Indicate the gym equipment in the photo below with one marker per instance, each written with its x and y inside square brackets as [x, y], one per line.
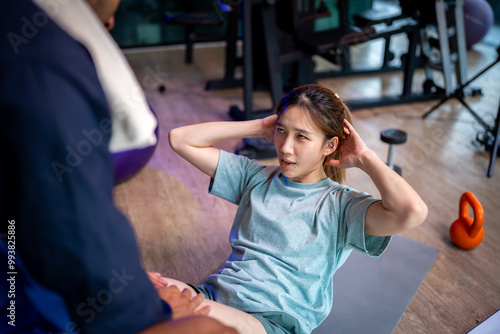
[490, 139]
[128, 163]
[443, 35]
[393, 137]
[491, 136]
[297, 19]
[478, 19]
[191, 19]
[466, 232]
[386, 15]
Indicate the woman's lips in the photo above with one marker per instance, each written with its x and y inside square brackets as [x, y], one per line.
[284, 163]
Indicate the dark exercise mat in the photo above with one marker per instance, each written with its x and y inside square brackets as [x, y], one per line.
[371, 294]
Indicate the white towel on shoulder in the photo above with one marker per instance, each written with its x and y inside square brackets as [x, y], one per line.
[133, 121]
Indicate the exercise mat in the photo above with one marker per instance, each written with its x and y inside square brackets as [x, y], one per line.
[371, 294]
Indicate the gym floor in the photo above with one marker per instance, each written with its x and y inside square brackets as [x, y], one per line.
[183, 231]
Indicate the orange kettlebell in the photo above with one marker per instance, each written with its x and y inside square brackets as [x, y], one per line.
[466, 232]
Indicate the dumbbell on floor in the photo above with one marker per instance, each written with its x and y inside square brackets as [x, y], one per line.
[393, 137]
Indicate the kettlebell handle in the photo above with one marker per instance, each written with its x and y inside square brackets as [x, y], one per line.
[466, 199]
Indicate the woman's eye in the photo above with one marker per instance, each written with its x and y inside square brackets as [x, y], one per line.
[302, 137]
[280, 130]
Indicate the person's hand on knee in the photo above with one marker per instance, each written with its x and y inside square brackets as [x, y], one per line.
[156, 279]
[181, 303]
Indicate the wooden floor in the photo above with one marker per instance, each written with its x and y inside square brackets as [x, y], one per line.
[183, 231]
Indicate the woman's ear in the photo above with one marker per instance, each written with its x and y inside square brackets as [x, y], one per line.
[331, 145]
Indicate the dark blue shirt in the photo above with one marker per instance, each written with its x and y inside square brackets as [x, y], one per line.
[56, 177]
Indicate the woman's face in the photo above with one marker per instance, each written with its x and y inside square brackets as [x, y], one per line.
[301, 146]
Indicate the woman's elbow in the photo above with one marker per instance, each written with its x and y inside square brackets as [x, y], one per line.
[174, 139]
[416, 215]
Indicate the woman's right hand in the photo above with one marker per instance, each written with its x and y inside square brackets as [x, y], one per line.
[269, 127]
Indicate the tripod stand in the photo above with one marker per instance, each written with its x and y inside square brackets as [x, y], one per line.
[491, 138]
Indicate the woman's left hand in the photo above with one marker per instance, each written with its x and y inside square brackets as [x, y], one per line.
[351, 150]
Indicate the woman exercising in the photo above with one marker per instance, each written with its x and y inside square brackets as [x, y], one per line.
[295, 224]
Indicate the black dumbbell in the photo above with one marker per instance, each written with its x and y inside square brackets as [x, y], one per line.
[393, 137]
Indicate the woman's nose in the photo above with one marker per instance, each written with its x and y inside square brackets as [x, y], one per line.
[286, 147]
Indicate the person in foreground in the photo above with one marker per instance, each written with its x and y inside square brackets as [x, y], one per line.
[295, 224]
[73, 261]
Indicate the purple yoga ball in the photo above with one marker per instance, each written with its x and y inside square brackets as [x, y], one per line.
[478, 19]
[128, 163]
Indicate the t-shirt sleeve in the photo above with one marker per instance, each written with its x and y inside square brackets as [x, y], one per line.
[354, 206]
[234, 174]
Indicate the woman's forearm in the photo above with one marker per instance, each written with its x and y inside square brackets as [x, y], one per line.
[208, 134]
[194, 142]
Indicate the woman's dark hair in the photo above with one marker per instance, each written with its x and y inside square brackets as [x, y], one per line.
[327, 112]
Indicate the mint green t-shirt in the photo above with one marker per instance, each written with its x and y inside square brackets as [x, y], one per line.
[287, 239]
